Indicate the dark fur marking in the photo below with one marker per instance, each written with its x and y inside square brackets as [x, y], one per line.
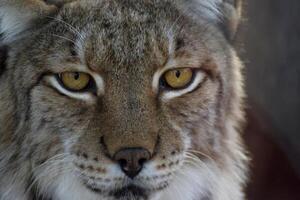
[179, 44]
[42, 124]
[220, 95]
[73, 49]
[3, 57]
[104, 148]
[14, 157]
[84, 155]
[208, 196]
[225, 30]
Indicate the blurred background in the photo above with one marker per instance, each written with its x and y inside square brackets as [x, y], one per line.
[270, 48]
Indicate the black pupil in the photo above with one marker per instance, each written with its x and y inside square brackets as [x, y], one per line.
[177, 74]
[76, 75]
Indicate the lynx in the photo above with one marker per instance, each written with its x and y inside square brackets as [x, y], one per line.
[121, 100]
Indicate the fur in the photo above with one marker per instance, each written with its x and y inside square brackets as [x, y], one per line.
[59, 144]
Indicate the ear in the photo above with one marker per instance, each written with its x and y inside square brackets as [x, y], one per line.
[231, 17]
[227, 13]
[18, 16]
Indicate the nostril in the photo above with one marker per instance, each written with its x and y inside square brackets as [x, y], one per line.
[142, 161]
[122, 163]
[132, 160]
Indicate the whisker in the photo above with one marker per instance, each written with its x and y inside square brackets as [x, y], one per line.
[68, 25]
[65, 38]
[51, 166]
[200, 153]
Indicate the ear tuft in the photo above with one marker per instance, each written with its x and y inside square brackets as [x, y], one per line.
[17, 16]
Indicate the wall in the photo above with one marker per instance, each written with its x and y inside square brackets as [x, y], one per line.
[271, 52]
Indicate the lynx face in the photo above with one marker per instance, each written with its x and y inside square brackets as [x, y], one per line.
[120, 100]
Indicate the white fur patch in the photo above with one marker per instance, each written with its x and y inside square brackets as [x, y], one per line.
[189, 184]
[196, 181]
[68, 188]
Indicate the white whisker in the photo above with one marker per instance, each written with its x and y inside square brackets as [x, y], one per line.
[70, 27]
[65, 38]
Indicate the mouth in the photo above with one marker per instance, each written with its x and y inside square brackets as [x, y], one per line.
[126, 193]
[142, 188]
[130, 192]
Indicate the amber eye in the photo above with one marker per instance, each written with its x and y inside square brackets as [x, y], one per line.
[179, 78]
[75, 81]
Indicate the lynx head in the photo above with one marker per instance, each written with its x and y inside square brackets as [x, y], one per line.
[123, 99]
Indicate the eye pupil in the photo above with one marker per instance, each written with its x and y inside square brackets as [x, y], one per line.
[178, 78]
[177, 74]
[76, 75]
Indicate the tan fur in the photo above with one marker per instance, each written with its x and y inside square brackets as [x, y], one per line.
[61, 147]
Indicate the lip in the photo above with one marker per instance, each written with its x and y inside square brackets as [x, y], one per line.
[126, 191]
[129, 192]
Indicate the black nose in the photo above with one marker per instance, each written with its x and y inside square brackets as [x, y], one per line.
[131, 160]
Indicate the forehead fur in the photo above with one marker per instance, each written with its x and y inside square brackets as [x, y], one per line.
[18, 16]
[116, 28]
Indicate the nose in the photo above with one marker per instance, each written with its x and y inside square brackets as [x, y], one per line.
[131, 160]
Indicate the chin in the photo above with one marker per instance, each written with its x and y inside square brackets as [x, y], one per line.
[70, 188]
